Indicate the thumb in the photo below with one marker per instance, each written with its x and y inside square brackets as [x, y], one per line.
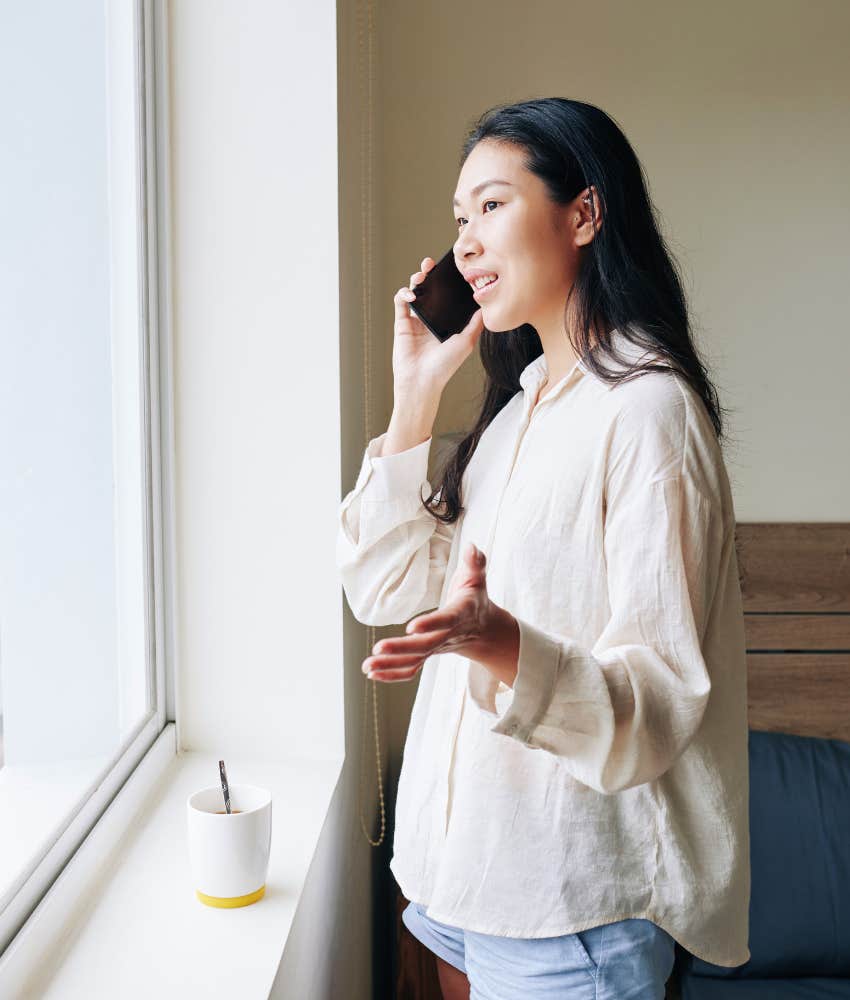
[475, 556]
[467, 338]
[474, 328]
[462, 344]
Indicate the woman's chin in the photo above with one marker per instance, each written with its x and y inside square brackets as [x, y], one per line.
[495, 320]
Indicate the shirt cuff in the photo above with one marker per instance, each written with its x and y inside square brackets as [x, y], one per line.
[537, 672]
[393, 476]
[388, 492]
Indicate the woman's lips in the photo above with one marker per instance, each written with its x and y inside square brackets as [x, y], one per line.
[479, 293]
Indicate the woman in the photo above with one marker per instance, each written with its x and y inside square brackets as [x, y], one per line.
[574, 791]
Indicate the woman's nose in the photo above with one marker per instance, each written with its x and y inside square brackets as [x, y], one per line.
[465, 246]
[466, 241]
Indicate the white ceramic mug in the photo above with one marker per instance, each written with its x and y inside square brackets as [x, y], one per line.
[229, 854]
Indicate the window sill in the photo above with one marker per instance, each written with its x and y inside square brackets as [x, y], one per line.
[136, 929]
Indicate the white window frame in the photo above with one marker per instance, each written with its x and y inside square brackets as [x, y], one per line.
[153, 207]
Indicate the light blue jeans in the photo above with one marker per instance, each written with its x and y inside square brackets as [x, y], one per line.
[624, 960]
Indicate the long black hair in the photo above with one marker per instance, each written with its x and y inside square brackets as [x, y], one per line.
[627, 279]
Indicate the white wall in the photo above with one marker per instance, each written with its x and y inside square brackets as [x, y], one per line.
[268, 296]
[256, 332]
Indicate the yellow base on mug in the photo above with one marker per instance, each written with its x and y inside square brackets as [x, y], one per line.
[226, 902]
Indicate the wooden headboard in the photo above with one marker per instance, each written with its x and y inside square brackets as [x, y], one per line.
[795, 581]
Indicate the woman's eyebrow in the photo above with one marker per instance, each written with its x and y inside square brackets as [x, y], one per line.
[480, 187]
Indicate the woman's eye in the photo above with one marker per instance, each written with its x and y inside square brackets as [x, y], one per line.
[486, 203]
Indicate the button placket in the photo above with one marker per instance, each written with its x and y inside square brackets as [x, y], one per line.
[527, 420]
[489, 551]
[523, 432]
[528, 417]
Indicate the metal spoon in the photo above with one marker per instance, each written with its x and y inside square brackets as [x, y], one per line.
[224, 786]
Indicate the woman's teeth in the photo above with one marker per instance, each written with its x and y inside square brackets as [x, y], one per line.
[485, 287]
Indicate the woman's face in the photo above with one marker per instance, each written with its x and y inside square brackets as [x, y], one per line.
[515, 231]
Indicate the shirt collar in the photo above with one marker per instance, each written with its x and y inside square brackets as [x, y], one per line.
[535, 372]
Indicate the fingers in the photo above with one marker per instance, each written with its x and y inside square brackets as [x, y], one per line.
[400, 300]
[421, 642]
[393, 668]
[404, 651]
[405, 295]
[418, 276]
[387, 661]
[437, 621]
[394, 676]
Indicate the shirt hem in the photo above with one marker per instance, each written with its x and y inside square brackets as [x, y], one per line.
[503, 930]
[584, 925]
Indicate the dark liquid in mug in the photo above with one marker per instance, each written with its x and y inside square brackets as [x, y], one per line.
[223, 812]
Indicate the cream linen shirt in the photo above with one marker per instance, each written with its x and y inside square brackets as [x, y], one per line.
[612, 780]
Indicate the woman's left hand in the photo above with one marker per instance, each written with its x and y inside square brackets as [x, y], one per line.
[464, 624]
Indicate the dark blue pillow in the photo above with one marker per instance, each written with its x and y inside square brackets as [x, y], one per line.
[808, 988]
[799, 857]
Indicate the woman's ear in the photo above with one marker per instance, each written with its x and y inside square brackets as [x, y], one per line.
[588, 218]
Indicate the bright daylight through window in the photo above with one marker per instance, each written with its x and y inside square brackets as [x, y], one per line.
[78, 677]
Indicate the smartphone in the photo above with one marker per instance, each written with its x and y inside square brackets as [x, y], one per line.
[444, 299]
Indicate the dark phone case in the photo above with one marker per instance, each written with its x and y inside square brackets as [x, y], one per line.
[444, 299]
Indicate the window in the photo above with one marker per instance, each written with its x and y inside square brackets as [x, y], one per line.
[83, 478]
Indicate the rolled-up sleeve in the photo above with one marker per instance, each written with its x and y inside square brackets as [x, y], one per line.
[621, 713]
[391, 553]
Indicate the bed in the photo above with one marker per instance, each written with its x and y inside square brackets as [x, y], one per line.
[795, 580]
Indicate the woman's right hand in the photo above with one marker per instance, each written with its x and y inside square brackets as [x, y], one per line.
[418, 357]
